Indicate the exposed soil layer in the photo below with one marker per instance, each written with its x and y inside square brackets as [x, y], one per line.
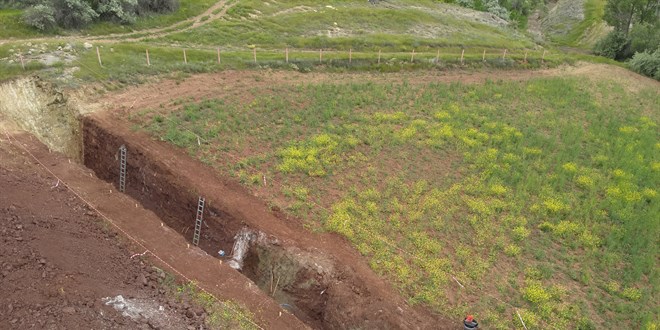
[158, 243]
[44, 110]
[318, 277]
[58, 260]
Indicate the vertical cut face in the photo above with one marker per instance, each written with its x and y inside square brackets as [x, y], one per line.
[41, 109]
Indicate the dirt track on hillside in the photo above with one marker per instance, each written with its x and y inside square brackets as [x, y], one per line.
[215, 12]
[241, 83]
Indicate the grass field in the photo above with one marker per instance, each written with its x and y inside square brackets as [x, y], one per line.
[395, 26]
[539, 197]
[12, 27]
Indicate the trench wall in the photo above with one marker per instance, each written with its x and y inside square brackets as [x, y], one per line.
[39, 107]
[158, 189]
[323, 292]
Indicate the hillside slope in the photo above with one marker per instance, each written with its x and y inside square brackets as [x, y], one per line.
[576, 23]
[394, 25]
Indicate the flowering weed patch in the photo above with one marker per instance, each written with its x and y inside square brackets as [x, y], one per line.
[435, 184]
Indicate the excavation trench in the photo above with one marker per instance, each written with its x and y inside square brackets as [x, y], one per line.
[293, 278]
[305, 276]
[320, 279]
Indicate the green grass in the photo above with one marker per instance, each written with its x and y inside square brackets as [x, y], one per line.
[357, 25]
[221, 314]
[12, 27]
[188, 9]
[538, 196]
[126, 63]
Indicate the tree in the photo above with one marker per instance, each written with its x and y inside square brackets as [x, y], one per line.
[635, 25]
[621, 14]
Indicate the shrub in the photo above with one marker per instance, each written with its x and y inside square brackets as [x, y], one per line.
[73, 13]
[117, 10]
[644, 37]
[156, 6]
[494, 7]
[613, 45]
[45, 14]
[466, 3]
[647, 63]
[41, 17]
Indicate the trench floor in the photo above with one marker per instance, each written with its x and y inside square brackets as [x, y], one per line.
[166, 247]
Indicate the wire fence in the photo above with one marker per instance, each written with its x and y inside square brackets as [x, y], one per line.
[188, 56]
[461, 57]
[145, 59]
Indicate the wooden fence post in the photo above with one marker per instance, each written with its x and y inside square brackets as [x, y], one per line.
[321, 55]
[185, 57]
[379, 56]
[219, 55]
[98, 55]
[286, 52]
[543, 57]
[148, 61]
[350, 55]
[462, 55]
[483, 57]
[254, 54]
[412, 56]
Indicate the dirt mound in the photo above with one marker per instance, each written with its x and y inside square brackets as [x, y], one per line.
[58, 260]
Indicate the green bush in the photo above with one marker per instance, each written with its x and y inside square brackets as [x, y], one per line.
[45, 14]
[613, 46]
[644, 37]
[156, 6]
[647, 63]
[73, 13]
[41, 17]
[122, 11]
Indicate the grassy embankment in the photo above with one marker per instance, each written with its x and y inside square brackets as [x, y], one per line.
[397, 26]
[539, 195]
[585, 33]
[305, 26]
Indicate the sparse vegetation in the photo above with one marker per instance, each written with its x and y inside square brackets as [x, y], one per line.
[221, 314]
